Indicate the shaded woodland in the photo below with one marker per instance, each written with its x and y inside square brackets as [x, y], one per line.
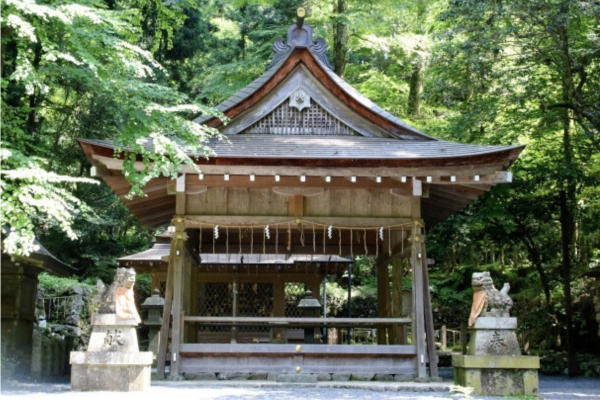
[472, 71]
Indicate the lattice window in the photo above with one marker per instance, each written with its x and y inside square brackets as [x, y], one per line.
[294, 292]
[255, 300]
[286, 120]
[215, 300]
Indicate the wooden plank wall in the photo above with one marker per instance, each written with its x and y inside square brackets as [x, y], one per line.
[331, 203]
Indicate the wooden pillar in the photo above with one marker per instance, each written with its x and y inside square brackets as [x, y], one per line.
[419, 309]
[433, 359]
[178, 256]
[383, 300]
[397, 272]
[190, 291]
[164, 329]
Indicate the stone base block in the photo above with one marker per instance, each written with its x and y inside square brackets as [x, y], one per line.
[109, 371]
[297, 378]
[498, 375]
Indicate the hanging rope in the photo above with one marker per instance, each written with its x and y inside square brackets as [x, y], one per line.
[376, 245]
[327, 232]
[389, 242]
[301, 228]
[402, 245]
[200, 244]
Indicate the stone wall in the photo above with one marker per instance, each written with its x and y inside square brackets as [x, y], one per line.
[50, 355]
[19, 287]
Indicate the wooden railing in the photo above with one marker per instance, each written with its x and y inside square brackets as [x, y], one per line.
[298, 322]
[452, 337]
[261, 357]
[345, 327]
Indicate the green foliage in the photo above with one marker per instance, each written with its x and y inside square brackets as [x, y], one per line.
[64, 65]
[57, 286]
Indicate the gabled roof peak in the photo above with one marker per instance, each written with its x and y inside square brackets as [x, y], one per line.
[300, 35]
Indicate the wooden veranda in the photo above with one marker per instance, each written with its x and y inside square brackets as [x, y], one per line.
[311, 167]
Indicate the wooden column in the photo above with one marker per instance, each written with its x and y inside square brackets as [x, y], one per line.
[419, 309]
[433, 359]
[190, 332]
[164, 329]
[397, 272]
[383, 301]
[178, 256]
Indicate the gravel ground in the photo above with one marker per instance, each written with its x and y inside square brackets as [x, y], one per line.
[558, 387]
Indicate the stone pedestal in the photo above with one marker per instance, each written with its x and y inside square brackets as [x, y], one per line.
[113, 361]
[108, 371]
[494, 364]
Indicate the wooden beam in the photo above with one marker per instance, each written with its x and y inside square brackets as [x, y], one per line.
[292, 183]
[99, 171]
[448, 190]
[152, 204]
[341, 172]
[163, 208]
[296, 206]
[195, 221]
[299, 321]
[298, 191]
[475, 178]
[295, 248]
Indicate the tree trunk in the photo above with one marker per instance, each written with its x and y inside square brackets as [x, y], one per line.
[340, 39]
[567, 202]
[536, 260]
[416, 87]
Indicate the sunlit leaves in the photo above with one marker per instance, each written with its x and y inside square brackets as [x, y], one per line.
[63, 60]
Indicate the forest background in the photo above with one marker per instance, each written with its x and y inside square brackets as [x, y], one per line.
[472, 71]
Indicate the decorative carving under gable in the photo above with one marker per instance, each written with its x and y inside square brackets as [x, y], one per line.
[300, 118]
[299, 100]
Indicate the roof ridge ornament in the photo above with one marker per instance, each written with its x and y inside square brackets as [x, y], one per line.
[300, 35]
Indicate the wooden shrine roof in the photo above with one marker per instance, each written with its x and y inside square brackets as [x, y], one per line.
[274, 75]
[161, 249]
[303, 147]
[41, 258]
[299, 119]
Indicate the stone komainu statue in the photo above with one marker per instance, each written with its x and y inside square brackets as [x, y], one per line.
[118, 297]
[487, 300]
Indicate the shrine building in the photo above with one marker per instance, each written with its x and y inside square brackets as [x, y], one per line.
[312, 174]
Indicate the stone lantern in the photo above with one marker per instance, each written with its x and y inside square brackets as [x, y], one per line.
[309, 308]
[154, 305]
